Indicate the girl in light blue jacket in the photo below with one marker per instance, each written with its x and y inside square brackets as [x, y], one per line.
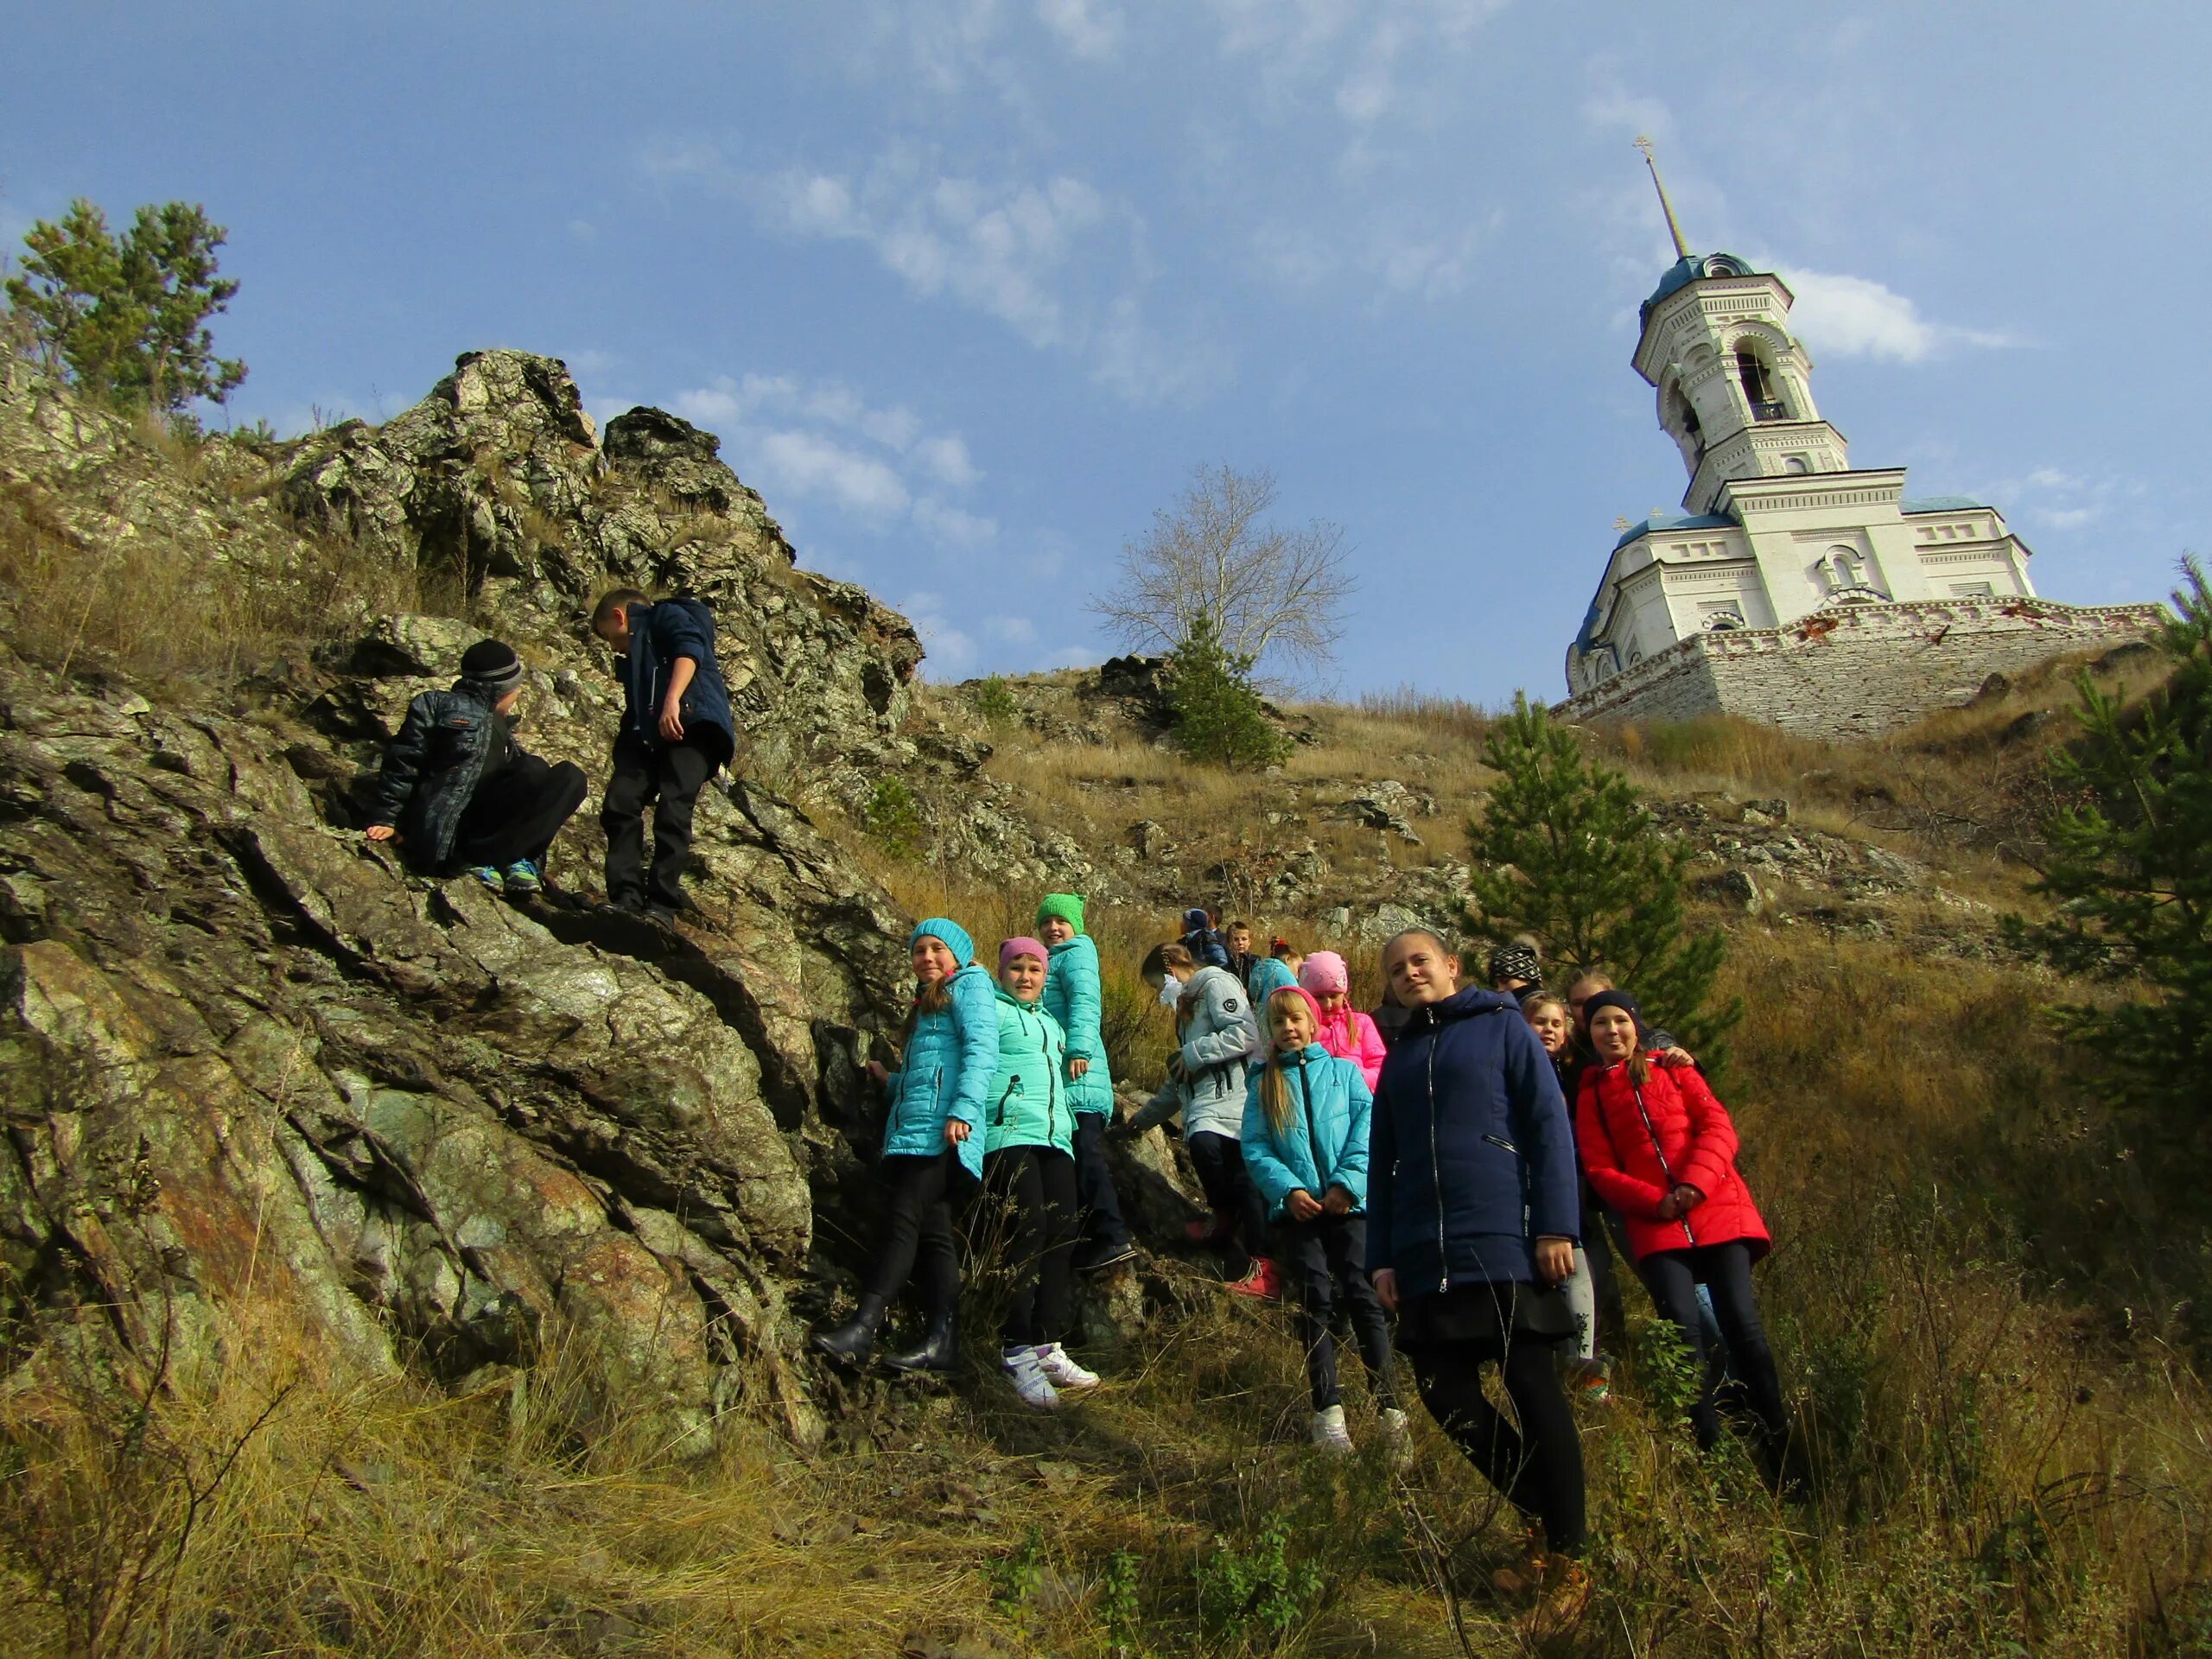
[936, 1106]
[1306, 1118]
[1029, 1171]
[1073, 997]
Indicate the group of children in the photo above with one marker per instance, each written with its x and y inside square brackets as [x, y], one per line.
[1458, 1169]
[458, 794]
[1003, 1086]
[1464, 1160]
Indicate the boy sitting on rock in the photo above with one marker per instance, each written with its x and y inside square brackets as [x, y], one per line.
[458, 790]
[676, 731]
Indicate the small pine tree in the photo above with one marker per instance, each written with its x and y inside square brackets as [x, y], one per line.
[127, 316]
[1219, 717]
[1567, 851]
[2132, 870]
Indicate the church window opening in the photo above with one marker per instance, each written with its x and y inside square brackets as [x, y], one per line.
[1795, 464]
[1686, 422]
[1759, 385]
[1841, 568]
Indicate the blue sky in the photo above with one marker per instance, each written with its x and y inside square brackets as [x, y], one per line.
[968, 287]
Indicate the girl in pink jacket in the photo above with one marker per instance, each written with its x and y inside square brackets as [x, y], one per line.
[1346, 1032]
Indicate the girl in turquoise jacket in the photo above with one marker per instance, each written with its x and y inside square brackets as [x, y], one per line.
[1029, 1171]
[1073, 997]
[937, 1098]
[1305, 1141]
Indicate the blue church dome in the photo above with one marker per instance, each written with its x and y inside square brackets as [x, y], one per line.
[1689, 269]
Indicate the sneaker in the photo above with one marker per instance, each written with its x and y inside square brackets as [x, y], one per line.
[490, 877]
[1061, 1369]
[1591, 1383]
[522, 876]
[1028, 1377]
[1330, 1433]
[1261, 1281]
[1397, 1435]
[1096, 1258]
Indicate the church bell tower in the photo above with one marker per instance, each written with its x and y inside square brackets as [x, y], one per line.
[1734, 384]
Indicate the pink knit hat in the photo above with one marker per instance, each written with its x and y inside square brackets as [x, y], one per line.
[1325, 974]
[1024, 946]
[1311, 1007]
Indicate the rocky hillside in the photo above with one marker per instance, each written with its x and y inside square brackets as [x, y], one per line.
[462, 1185]
[251, 1050]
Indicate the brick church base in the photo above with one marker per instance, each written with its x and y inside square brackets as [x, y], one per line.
[1858, 671]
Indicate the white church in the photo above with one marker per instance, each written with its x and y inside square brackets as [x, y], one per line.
[1794, 586]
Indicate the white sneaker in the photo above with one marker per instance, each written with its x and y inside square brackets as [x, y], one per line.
[1061, 1369]
[1029, 1379]
[1397, 1435]
[1329, 1432]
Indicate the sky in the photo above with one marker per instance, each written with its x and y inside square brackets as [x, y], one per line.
[969, 288]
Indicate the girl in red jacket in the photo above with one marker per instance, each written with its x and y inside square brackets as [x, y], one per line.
[1661, 1150]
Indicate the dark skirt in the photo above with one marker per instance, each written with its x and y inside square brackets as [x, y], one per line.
[1487, 1311]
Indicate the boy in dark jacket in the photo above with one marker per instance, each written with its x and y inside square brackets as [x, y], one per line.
[457, 791]
[676, 731]
[1202, 940]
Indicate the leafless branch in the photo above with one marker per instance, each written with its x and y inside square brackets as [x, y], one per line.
[1278, 595]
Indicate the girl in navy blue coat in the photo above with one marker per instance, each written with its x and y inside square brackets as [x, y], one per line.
[1306, 1126]
[1472, 1211]
[950, 1057]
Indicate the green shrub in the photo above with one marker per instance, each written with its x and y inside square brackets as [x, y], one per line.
[1219, 717]
[995, 702]
[894, 817]
[1254, 1598]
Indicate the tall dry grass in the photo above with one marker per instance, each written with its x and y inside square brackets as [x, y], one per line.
[164, 609]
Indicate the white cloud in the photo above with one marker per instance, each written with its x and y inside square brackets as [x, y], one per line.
[997, 249]
[1384, 57]
[813, 440]
[1855, 316]
[1054, 259]
[1014, 630]
[806, 464]
[947, 459]
[947, 646]
[953, 527]
[1087, 29]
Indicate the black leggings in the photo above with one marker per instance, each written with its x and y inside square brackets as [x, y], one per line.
[1038, 1186]
[1219, 1159]
[1672, 1277]
[1099, 1220]
[1539, 1468]
[920, 1224]
[1329, 1255]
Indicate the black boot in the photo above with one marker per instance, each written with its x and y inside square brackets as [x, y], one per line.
[851, 1343]
[939, 1350]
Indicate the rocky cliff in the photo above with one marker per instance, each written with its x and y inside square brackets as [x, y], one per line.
[248, 1055]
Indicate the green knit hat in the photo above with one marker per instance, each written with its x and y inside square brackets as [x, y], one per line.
[1068, 907]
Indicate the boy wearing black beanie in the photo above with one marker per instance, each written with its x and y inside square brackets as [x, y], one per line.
[457, 791]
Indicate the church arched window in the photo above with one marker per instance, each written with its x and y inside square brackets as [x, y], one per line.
[1842, 567]
[1759, 388]
[1682, 416]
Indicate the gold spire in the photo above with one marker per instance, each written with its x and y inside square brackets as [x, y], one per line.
[1674, 225]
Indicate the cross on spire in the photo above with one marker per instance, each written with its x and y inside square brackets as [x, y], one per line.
[1674, 225]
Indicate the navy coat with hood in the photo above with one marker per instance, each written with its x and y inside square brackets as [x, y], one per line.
[659, 635]
[1472, 1157]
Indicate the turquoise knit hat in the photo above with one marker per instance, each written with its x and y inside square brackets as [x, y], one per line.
[954, 936]
[1068, 907]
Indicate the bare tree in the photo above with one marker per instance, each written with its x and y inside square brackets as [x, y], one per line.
[1277, 595]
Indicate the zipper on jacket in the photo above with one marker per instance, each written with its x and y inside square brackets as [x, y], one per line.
[1665, 1168]
[1305, 1112]
[1012, 1088]
[1436, 1160]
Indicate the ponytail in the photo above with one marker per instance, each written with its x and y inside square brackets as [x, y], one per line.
[1274, 1092]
